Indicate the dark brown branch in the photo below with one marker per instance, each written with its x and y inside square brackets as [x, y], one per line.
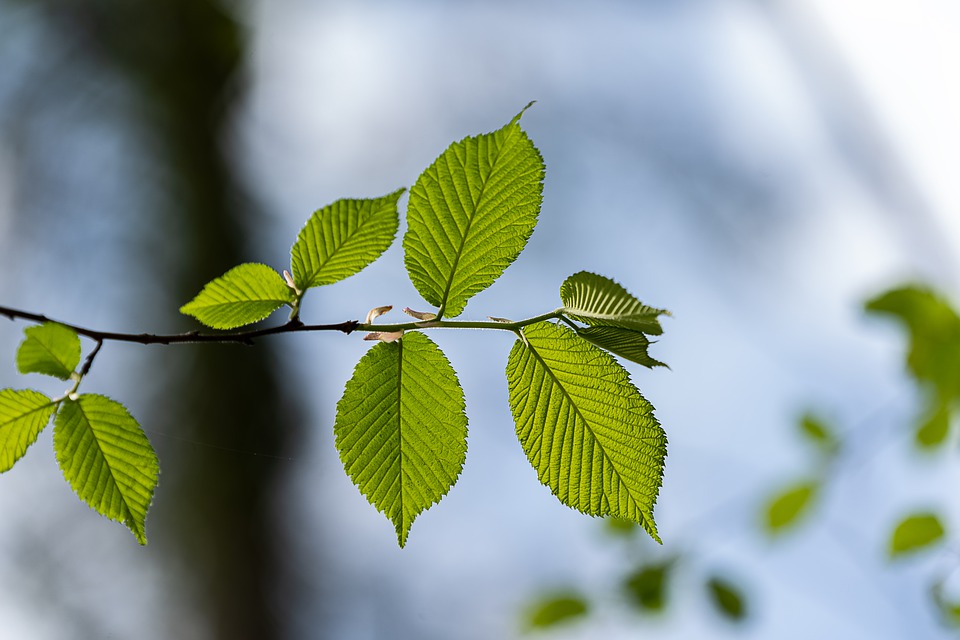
[242, 337]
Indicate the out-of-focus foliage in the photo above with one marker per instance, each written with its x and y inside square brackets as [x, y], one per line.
[556, 610]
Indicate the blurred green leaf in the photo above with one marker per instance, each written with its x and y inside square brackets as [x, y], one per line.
[621, 527]
[934, 330]
[932, 431]
[787, 508]
[949, 608]
[51, 349]
[727, 598]
[915, 533]
[818, 433]
[556, 610]
[646, 588]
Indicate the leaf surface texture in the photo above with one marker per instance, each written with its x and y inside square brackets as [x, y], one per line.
[470, 215]
[107, 459]
[401, 429]
[597, 300]
[51, 349]
[243, 295]
[590, 435]
[23, 415]
[343, 238]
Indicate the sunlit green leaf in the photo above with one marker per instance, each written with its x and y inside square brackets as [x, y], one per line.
[51, 349]
[625, 343]
[246, 294]
[556, 610]
[727, 598]
[107, 459]
[470, 215]
[585, 428]
[819, 433]
[932, 432]
[342, 239]
[915, 533]
[788, 507]
[599, 301]
[23, 415]
[401, 429]
[934, 330]
[646, 588]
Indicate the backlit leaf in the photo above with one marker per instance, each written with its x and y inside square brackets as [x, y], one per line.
[625, 343]
[107, 459]
[787, 508]
[599, 301]
[51, 349]
[556, 610]
[343, 238]
[470, 215]
[915, 533]
[585, 428]
[401, 429]
[246, 294]
[727, 599]
[23, 415]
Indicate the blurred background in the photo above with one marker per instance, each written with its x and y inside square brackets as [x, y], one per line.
[760, 168]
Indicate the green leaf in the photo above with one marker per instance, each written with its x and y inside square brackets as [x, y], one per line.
[51, 349]
[934, 330]
[646, 588]
[625, 343]
[23, 415]
[947, 605]
[246, 294]
[933, 431]
[599, 301]
[585, 428]
[107, 459]
[915, 533]
[787, 508]
[817, 432]
[727, 599]
[470, 215]
[342, 239]
[401, 429]
[556, 610]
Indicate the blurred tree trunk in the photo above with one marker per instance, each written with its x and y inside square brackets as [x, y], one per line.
[183, 60]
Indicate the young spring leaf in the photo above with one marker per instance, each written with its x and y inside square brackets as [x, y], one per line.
[246, 294]
[585, 428]
[727, 599]
[23, 415]
[555, 610]
[914, 533]
[342, 239]
[787, 508]
[599, 301]
[51, 349]
[401, 429]
[107, 459]
[470, 215]
[625, 343]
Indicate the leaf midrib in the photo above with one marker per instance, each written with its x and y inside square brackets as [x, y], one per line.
[466, 232]
[586, 424]
[131, 519]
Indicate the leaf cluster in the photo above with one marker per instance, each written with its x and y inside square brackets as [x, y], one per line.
[401, 425]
